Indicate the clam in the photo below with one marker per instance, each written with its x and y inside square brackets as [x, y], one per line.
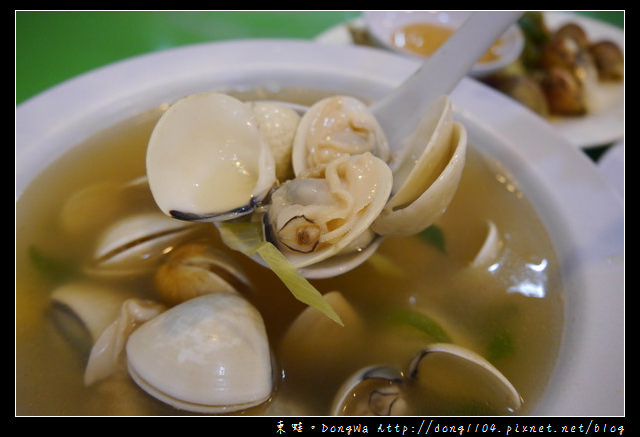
[463, 374]
[209, 354]
[333, 127]
[278, 123]
[312, 219]
[106, 353]
[97, 204]
[439, 370]
[426, 173]
[490, 248]
[314, 341]
[207, 160]
[135, 244]
[371, 391]
[195, 269]
[94, 306]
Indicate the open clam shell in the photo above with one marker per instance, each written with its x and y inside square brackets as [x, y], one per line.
[313, 219]
[209, 354]
[460, 372]
[371, 391]
[94, 306]
[136, 244]
[426, 176]
[207, 160]
[490, 246]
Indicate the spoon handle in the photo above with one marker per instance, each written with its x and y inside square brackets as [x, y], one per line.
[440, 73]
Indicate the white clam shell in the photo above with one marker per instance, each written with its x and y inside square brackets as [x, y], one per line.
[96, 306]
[371, 391]
[461, 372]
[136, 243]
[207, 160]
[426, 176]
[314, 341]
[209, 354]
[105, 357]
[490, 247]
[333, 127]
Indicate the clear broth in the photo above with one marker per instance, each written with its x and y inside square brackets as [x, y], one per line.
[510, 313]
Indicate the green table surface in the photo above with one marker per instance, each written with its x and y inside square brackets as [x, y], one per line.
[53, 46]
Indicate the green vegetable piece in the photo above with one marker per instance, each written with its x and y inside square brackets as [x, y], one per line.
[435, 237]
[500, 346]
[385, 266]
[246, 237]
[422, 322]
[51, 268]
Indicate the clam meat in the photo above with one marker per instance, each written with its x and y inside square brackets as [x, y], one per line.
[194, 269]
[333, 127]
[278, 123]
[312, 219]
[372, 391]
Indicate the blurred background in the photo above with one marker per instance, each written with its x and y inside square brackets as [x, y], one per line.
[52, 46]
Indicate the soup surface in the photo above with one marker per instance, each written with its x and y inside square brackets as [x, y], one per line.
[509, 311]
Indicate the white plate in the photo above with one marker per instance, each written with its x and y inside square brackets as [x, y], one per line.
[611, 164]
[582, 213]
[603, 126]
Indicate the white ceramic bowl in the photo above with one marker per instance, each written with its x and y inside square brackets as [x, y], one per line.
[582, 213]
[381, 25]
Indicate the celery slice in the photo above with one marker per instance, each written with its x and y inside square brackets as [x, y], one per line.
[246, 237]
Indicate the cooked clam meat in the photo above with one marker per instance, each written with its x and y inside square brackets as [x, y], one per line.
[194, 269]
[334, 127]
[278, 123]
[312, 219]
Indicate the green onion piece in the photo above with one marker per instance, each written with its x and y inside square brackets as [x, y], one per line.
[435, 237]
[295, 282]
[500, 346]
[52, 268]
[246, 237]
[422, 322]
[385, 266]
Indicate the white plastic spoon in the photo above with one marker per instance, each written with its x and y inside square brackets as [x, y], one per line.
[398, 112]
